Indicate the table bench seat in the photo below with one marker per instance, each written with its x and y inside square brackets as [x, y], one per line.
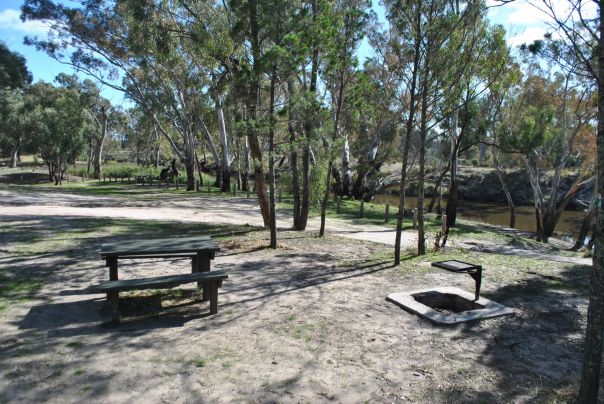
[210, 280]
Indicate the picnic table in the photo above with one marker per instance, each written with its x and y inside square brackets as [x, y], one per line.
[201, 250]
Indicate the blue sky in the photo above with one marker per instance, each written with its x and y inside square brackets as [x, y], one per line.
[522, 22]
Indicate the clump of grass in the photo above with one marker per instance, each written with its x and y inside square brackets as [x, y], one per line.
[198, 362]
[78, 372]
[17, 289]
[301, 330]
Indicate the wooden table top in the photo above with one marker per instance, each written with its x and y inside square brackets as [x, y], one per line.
[180, 245]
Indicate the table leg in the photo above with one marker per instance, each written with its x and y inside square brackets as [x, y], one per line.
[111, 262]
[194, 264]
[203, 265]
[213, 297]
[478, 279]
[115, 307]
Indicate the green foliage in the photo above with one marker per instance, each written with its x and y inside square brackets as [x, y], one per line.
[119, 170]
[318, 178]
[13, 69]
[11, 119]
[57, 122]
[125, 170]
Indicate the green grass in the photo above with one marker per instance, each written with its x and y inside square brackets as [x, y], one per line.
[79, 371]
[301, 331]
[74, 344]
[14, 290]
[223, 355]
[501, 267]
[113, 188]
[374, 214]
[116, 170]
[199, 362]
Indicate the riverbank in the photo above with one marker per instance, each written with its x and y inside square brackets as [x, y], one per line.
[482, 184]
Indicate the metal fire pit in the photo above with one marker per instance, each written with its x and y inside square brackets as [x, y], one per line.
[475, 271]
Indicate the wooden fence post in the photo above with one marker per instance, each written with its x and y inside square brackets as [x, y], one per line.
[196, 185]
[234, 190]
[176, 181]
[387, 213]
[248, 192]
[338, 199]
[444, 228]
[414, 218]
[362, 209]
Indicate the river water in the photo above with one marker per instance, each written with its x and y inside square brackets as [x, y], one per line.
[492, 213]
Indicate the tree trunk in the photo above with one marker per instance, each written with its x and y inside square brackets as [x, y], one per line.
[293, 160]
[89, 155]
[325, 198]
[337, 179]
[246, 176]
[14, 153]
[592, 352]
[156, 156]
[330, 167]
[346, 172]
[97, 158]
[452, 197]
[238, 157]
[437, 189]
[305, 197]
[506, 190]
[252, 105]
[225, 158]
[190, 165]
[199, 172]
[586, 225]
[271, 160]
[98, 146]
[308, 128]
[421, 237]
[408, 131]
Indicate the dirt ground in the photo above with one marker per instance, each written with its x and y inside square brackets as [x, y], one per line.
[308, 322]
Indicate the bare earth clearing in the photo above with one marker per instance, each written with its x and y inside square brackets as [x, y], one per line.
[307, 322]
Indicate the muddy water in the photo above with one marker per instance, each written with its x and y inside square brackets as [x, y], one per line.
[568, 226]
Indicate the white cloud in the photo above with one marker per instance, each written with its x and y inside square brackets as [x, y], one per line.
[526, 15]
[527, 36]
[10, 20]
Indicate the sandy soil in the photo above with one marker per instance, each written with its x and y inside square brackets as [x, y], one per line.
[219, 210]
[307, 322]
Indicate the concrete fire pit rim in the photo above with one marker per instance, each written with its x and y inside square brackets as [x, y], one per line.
[407, 301]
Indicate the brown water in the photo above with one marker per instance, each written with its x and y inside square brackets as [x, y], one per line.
[492, 213]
